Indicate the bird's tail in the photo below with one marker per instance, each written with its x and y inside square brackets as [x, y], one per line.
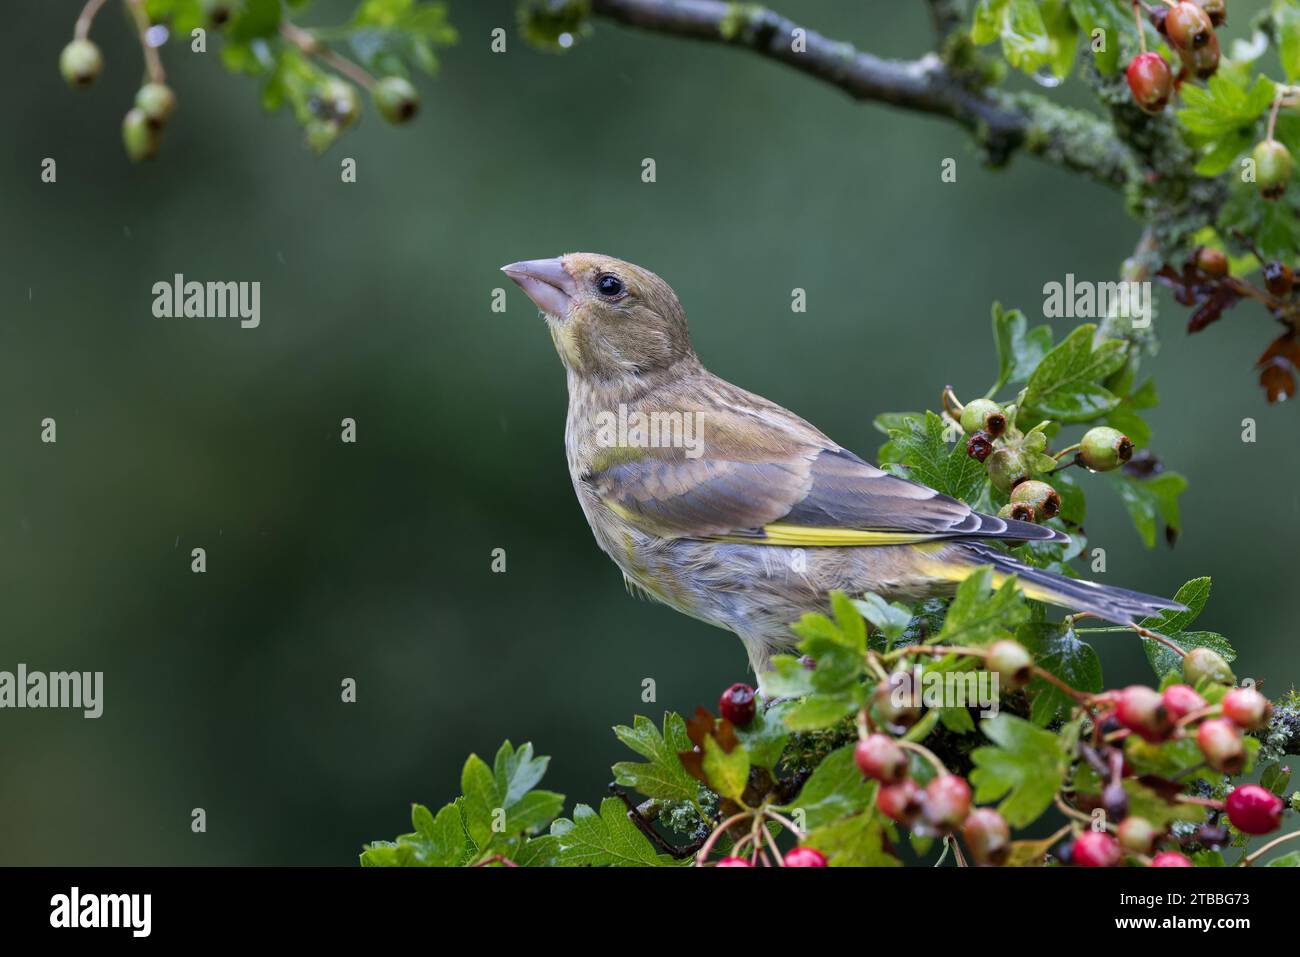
[1118, 605]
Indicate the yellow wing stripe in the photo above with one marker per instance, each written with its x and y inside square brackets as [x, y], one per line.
[780, 533]
[958, 572]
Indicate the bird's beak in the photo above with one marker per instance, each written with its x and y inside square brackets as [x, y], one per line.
[546, 283]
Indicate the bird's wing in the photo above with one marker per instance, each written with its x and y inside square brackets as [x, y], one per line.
[765, 476]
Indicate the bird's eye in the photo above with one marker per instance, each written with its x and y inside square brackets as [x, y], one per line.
[609, 285]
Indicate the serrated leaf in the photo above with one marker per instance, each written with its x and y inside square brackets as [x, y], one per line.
[765, 737]
[1174, 625]
[605, 839]
[926, 457]
[979, 615]
[1059, 651]
[662, 775]
[889, 618]
[1025, 768]
[727, 773]
[835, 789]
[1147, 500]
[855, 841]
[1066, 385]
[1020, 349]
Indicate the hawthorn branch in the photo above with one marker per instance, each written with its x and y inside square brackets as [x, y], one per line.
[1000, 123]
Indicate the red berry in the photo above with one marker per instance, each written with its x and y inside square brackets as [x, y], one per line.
[737, 704]
[1181, 700]
[1171, 859]
[1220, 743]
[1151, 81]
[946, 801]
[1188, 26]
[1278, 278]
[987, 836]
[805, 857]
[897, 701]
[1203, 62]
[880, 759]
[1143, 712]
[1096, 849]
[734, 862]
[1254, 810]
[1247, 708]
[900, 802]
[1212, 262]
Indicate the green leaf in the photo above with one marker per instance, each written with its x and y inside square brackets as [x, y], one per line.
[765, 737]
[976, 618]
[1059, 651]
[662, 775]
[1145, 803]
[1104, 15]
[1275, 778]
[1020, 349]
[605, 839]
[835, 789]
[889, 618]
[856, 841]
[499, 803]
[820, 710]
[1149, 499]
[1286, 18]
[1025, 768]
[926, 457]
[1286, 860]
[850, 621]
[1222, 107]
[1067, 383]
[436, 842]
[1174, 625]
[727, 773]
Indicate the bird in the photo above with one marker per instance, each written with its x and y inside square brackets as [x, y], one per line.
[734, 510]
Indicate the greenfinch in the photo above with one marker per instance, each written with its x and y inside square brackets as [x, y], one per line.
[732, 509]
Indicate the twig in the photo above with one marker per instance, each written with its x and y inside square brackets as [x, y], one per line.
[309, 45]
[1253, 856]
[153, 62]
[82, 28]
[1001, 123]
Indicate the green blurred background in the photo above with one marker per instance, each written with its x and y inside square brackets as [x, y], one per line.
[371, 561]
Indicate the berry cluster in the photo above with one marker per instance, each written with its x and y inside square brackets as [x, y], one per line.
[1188, 26]
[1013, 457]
[330, 103]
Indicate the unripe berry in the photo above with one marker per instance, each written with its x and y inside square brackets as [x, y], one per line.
[1137, 834]
[1212, 262]
[1104, 448]
[1143, 712]
[156, 101]
[878, 757]
[1220, 743]
[1247, 708]
[987, 836]
[1188, 26]
[1041, 496]
[1203, 62]
[1272, 168]
[1254, 810]
[946, 801]
[737, 704]
[1096, 849]
[1012, 662]
[81, 63]
[983, 415]
[734, 862]
[1017, 511]
[900, 802]
[396, 99]
[337, 100]
[1181, 700]
[1171, 859]
[218, 12]
[805, 857]
[896, 701]
[1278, 278]
[140, 139]
[1007, 468]
[979, 446]
[1216, 10]
[1151, 81]
[1207, 664]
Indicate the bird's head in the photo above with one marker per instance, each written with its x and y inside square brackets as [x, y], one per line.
[610, 319]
